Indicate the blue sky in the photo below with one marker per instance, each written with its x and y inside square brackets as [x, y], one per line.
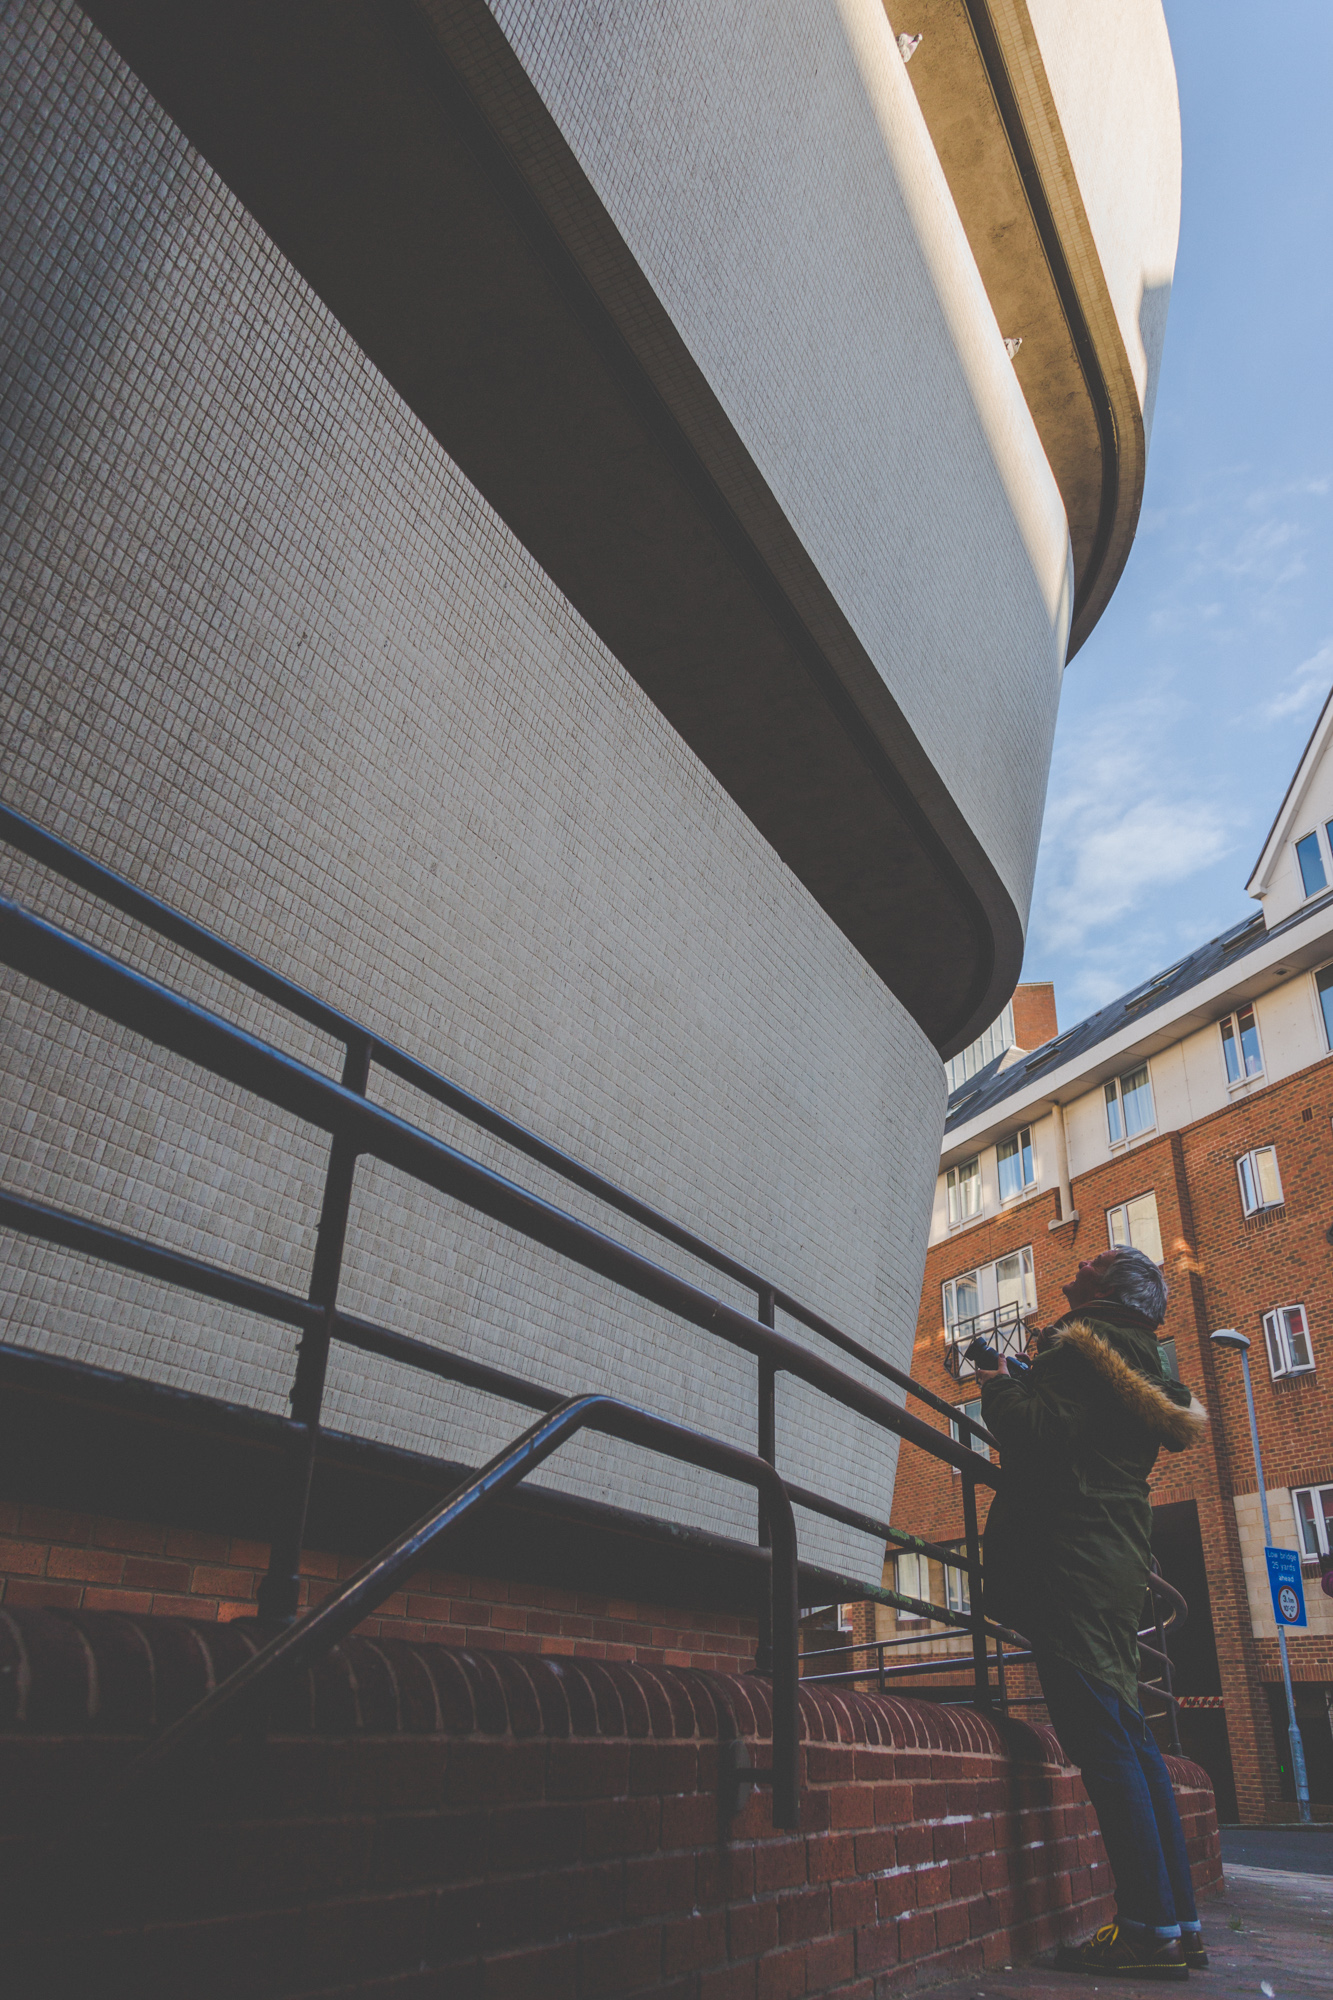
[1183, 716]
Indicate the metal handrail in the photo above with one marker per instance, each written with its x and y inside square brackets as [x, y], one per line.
[79, 971]
[242, 1694]
[64, 859]
[938, 1663]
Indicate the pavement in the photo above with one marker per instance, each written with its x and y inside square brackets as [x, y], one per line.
[1269, 1937]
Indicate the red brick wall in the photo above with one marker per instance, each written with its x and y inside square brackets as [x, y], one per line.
[95, 1563]
[553, 1831]
[1034, 1014]
[1223, 1271]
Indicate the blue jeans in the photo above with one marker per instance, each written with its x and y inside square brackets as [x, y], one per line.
[1127, 1781]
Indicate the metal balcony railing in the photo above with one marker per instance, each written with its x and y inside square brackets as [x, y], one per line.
[70, 966]
[1003, 1326]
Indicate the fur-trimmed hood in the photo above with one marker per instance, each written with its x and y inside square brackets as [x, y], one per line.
[1176, 1424]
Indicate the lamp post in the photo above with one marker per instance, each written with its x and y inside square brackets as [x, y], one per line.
[1227, 1336]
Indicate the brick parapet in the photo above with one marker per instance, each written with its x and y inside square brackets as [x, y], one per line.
[551, 1827]
[58, 1559]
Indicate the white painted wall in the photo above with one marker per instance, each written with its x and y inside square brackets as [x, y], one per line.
[1189, 1082]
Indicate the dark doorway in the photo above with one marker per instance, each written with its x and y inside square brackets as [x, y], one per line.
[1178, 1546]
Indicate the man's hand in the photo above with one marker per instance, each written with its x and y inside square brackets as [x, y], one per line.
[1001, 1368]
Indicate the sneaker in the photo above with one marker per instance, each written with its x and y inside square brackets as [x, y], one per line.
[1191, 1945]
[1126, 1954]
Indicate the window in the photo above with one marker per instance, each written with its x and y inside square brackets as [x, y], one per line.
[1314, 1519]
[1260, 1182]
[963, 1184]
[1287, 1334]
[1129, 1106]
[1311, 864]
[1324, 982]
[1240, 1046]
[962, 1298]
[965, 1437]
[990, 1301]
[912, 1579]
[957, 1590]
[1166, 1355]
[1017, 1167]
[997, 1038]
[1015, 1286]
[1134, 1226]
[1155, 990]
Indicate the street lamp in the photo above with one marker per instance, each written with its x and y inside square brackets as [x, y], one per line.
[1227, 1336]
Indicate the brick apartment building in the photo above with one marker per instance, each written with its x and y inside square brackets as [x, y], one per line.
[1194, 1118]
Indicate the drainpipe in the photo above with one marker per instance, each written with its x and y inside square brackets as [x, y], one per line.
[1068, 1212]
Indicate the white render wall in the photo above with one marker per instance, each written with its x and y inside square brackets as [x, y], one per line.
[271, 656]
[1189, 1082]
[770, 170]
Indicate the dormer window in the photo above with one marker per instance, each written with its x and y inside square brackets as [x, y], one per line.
[1311, 859]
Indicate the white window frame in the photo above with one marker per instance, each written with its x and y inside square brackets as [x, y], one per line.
[953, 1182]
[1323, 840]
[957, 1589]
[1116, 1084]
[1248, 1175]
[1022, 1138]
[1325, 1018]
[986, 1278]
[1114, 1242]
[1278, 1335]
[1319, 1523]
[1232, 1021]
[922, 1566]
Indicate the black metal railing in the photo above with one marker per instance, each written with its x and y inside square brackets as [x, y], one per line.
[357, 1127]
[1004, 1327]
[936, 1674]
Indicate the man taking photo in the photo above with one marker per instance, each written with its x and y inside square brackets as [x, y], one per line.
[1067, 1552]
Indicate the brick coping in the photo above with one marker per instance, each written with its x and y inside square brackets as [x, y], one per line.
[87, 1672]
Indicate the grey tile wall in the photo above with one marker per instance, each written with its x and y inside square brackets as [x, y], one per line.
[268, 653]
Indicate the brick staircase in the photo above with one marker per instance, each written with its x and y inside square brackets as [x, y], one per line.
[426, 1820]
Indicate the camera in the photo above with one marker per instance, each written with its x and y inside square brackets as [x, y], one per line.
[981, 1354]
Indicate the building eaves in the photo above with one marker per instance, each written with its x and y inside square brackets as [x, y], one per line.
[991, 1087]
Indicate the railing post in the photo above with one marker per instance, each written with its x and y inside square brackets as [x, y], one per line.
[980, 1652]
[279, 1592]
[767, 1448]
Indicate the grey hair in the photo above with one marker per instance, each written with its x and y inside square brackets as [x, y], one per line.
[1138, 1283]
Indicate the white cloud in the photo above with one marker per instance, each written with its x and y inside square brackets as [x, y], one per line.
[1120, 827]
[1305, 686]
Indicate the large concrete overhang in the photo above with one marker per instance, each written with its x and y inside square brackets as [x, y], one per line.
[983, 88]
[399, 156]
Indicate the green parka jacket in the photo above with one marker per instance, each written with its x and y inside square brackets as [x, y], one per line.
[1067, 1541]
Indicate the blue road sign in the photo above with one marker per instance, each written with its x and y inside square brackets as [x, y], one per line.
[1284, 1580]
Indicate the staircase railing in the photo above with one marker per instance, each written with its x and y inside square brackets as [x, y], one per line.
[357, 1127]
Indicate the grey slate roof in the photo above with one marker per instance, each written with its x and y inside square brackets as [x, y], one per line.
[990, 1086]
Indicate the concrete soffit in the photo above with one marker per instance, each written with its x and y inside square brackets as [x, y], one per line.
[987, 102]
[399, 156]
